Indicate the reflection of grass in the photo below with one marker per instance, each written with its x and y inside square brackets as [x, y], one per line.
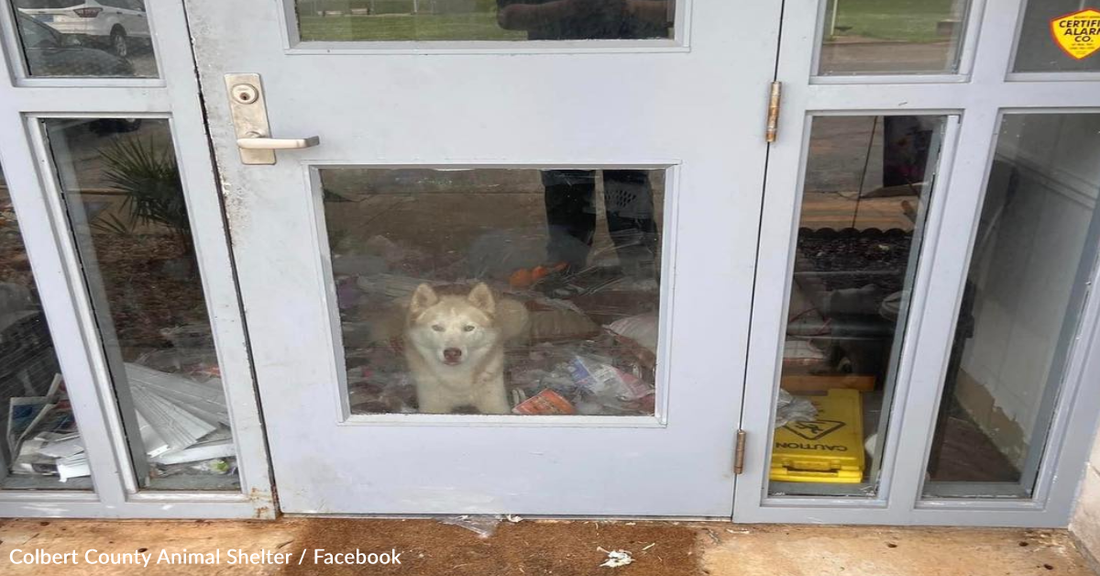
[477, 26]
[900, 20]
[388, 6]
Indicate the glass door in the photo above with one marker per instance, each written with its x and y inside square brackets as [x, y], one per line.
[495, 256]
[126, 388]
[932, 199]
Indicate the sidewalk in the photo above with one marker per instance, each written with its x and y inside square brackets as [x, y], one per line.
[540, 548]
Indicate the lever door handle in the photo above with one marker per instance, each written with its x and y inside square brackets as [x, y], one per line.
[256, 141]
[250, 126]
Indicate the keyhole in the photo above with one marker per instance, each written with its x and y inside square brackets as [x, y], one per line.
[245, 94]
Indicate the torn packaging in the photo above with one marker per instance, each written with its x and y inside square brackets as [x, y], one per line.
[603, 379]
[544, 403]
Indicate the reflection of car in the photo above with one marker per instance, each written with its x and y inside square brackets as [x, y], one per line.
[115, 23]
[51, 54]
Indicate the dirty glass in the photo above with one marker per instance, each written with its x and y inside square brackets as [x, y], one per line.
[121, 188]
[78, 38]
[497, 291]
[499, 20]
[892, 37]
[868, 184]
[1059, 36]
[42, 448]
[1031, 265]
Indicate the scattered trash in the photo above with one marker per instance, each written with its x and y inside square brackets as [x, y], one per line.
[586, 346]
[184, 423]
[603, 379]
[482, 525]
[42, 436]
[793, 409]
[616, 558]
[513, 518]
[870, 443]
[648, 546]
[545, 402]
[182, 418]
[642, 329]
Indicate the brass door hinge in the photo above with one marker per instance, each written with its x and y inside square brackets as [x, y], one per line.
[739, 453]
[774, 102]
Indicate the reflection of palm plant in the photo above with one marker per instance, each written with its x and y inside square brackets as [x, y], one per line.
[113, 224]
[150, 178]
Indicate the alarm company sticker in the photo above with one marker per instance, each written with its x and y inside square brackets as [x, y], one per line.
[1079, 33]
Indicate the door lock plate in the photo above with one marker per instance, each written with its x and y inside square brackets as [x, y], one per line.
[249, 110]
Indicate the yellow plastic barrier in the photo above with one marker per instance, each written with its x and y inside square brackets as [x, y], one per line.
[828, 449]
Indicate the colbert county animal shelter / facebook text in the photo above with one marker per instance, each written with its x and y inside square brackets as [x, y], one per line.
[230, 557]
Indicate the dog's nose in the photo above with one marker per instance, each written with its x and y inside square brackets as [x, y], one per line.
[452, 354]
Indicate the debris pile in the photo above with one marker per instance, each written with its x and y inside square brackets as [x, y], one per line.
[183, 422]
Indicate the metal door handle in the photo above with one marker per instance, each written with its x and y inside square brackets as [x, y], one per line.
[250, 125]
[257, 141]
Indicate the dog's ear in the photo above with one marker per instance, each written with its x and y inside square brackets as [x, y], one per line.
[423, 298]
[482, 297]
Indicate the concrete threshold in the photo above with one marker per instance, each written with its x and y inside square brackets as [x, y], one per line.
[351, 546]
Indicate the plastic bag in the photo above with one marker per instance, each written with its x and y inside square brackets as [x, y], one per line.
[482, 525]
[792, 409]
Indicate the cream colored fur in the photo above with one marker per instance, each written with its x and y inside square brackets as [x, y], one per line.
[454, 346]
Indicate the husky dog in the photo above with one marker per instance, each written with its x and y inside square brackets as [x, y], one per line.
[454, 346]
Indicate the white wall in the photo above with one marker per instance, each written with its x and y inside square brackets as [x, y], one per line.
[1025, 270]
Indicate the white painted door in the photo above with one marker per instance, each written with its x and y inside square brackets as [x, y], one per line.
[598, 165]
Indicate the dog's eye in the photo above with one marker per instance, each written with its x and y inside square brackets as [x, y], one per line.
[468, 328]
[437, 328]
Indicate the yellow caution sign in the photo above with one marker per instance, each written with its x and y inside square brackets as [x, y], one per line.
[827, 449]
[1079, 33]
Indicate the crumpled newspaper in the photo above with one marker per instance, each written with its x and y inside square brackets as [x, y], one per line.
[792, 409]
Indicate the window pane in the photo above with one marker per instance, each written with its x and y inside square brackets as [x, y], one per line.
[497, 291]
[868, 185]
[1058, 36]
[1035, 250]
[345, 20]
[892, 37]
[43, 448]
[70, 38]
[122, 189]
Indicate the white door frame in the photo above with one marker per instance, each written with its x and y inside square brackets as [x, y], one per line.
[31, 178]
[974, 100]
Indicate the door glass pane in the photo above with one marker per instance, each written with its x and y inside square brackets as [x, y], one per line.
[70, 38]
[374, 20]
[122, 190]
[42, 447]
[497, 291]
[1034, 253]
[1059, 36]
[892, 37]
[868, 184]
